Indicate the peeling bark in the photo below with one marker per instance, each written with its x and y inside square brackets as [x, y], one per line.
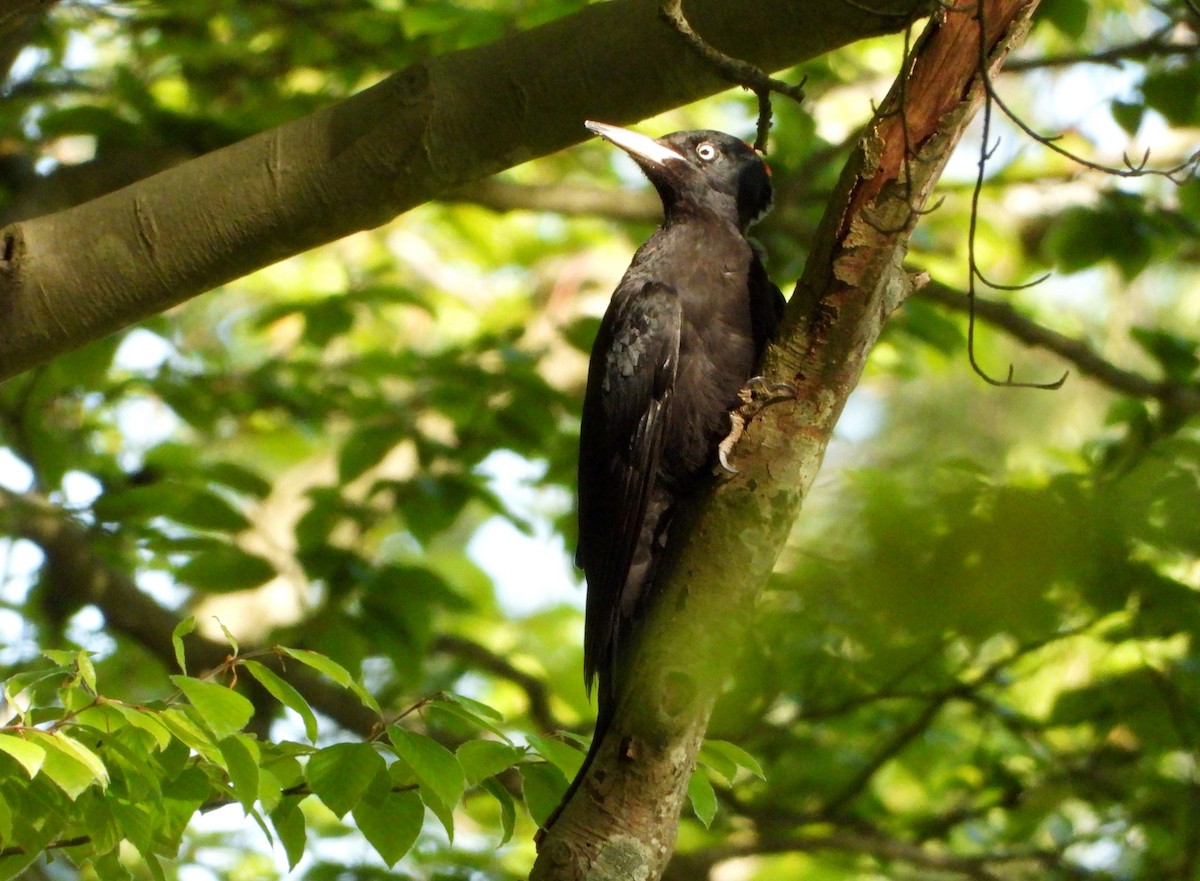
[622, 821]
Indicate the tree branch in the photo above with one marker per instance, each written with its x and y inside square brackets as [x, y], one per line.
[77, 275]
[638, 206]
[482, 658]
[1157, 45]
[1184, 398]
[621, 823]
[77, 567]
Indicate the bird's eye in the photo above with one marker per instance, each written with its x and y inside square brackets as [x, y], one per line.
[707, 152]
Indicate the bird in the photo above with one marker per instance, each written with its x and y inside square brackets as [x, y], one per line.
[679, 341]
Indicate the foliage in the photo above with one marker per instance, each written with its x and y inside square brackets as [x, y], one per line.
[286, 578]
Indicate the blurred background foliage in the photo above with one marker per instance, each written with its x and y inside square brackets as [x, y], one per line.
[978, 654]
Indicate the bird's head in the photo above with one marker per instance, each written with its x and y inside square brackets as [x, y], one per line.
[699, 170]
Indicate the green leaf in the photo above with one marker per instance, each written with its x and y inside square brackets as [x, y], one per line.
[1070, 17]
[138, 822]
[242, 756]
[481, 759]
[434, 766]
[337, 673]
[222, 709]
[71, 766]
[30, 755]
[581, 333]
[87, 670]
[474, 707]
[223, 569]
[238, 477]
[1175, 354]
[735, 754]
[289, 826]
[508, 810]
[326, 319]
[1175, 93]
[390, 824]
[341, 773]
[153, 865]
[1128, 115]
[563, 756]
[109, 867]
[182, 629]
[465, 714]
[1115, 230]
[233, 643]
[6, 821]
[283, 692]
[322, 664]
[95, 815]
[203, 509]
[187, 731]
[701, 795]
[543, 787]
[366, 447]
[22, 682]
[84, 756]
[188, 505]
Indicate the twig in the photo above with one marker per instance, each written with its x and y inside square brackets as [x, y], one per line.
[1085, 359]
[743, 73]
[483, 658]
[974, 272]
[1154, 46]
[958, 689]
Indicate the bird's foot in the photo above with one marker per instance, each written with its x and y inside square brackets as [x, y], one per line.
[737, 425]
[757, 393]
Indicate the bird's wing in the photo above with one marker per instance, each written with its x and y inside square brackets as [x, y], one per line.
[630, 384]
[766, 302]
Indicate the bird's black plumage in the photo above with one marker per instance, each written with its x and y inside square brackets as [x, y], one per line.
[680, 338]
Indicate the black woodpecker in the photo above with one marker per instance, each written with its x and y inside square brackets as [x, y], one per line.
[681, 337]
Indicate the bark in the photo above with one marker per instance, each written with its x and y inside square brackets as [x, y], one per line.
[74, 276]
[622, 821]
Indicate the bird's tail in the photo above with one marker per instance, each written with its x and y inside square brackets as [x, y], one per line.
[605, 711]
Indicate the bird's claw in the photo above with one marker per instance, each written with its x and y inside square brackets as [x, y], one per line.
[761, 391]
[737, 425]
[758, 392]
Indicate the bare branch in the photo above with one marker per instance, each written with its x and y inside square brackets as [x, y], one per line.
[1085, 359]
[1157, 45]
[737, 71]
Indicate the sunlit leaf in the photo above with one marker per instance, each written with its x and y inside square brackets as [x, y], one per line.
[283, 692]
[481, 759]
[223, 710]
[28, 754]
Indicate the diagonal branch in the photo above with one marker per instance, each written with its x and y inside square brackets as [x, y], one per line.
[76, 567]
[74, 276]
